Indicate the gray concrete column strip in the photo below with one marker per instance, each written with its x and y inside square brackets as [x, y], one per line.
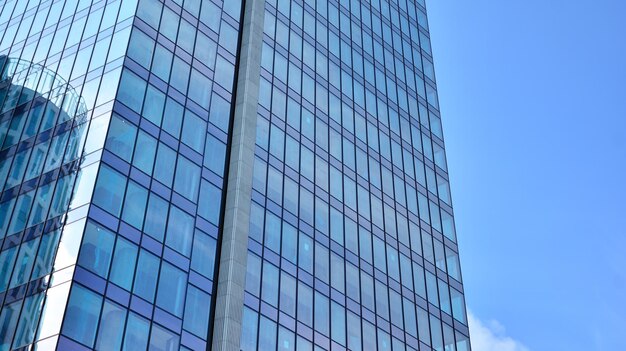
[234, 242]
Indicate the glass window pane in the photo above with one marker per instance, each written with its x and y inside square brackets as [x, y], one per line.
[249, 329]
[187, 179]
[286, 339]
[203, 256]
[81, 317]
[8, 322]
[25, 333]
[162, 339]
[154, 105]
[269, 291]
[253, 275]
[210, 202]
[109, 192]
[123, 267]
[131, 91]
[137, 329]
[20, 214]
[96, 249]
[267, 339]
[155, 217]
[141, 48]
[173, 117]
[215, 155]
[147, 273]
[194, 131]
[47, 249]
[121, 138]
[164, 170]
[145, 152]
[180, 231]
[162, 62]
[197, 311]
[24, 263]
[135, 205]
[200, 89]
[171, 295]
[220, 112]
[111, 327]
[7, 260]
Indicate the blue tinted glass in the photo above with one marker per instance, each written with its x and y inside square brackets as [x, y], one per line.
[214, 155]
[155, 217]
[194, 131]
[210, 15]
[249, 329]
[82, 315]
[272, 232]
[162, 339]
[97, 249]
[210, 202]
[5, 215]
[203, 257]
[137, 329]
[290, 243]
[135, 205]
[123, 266]
[180, 231]
[121, 138]
[180, 75]
[20, 214]
[220, 112]
[173, 117]
[25, 333]
[164, 170]
[8, 322]
[35, 165]
[154, 105]
[18, 169]
[197, 310]
[305, 256]
[111, 327]
[131, 91]
[162, 62]
[267, 339]
[47, 249]
[141, 48]
[24, 263]
[40, 207]
[321, 313]
[146, 277]
[200, 89]
[171, 295]
[187, 179]
[269, 289]
[145, 152]
[109, 192]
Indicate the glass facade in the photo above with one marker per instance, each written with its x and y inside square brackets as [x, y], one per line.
[352, 242]
[116, 124]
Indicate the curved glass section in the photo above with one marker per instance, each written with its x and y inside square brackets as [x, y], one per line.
[42, 130]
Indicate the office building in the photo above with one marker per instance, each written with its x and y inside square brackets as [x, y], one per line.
[226, 175]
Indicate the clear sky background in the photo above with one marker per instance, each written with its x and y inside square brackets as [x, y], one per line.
[533, 99]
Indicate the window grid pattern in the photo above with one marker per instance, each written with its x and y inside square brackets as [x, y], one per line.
[54, 56]
[352, 242]
[147, 259]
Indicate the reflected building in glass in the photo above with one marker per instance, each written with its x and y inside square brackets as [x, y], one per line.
[192, 175]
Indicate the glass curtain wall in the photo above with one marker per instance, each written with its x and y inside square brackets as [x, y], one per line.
[60, 64]
[352, 242]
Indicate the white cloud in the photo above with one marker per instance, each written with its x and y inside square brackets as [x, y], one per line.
[491, 336]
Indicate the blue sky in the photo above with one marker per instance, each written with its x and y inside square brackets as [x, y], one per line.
[533, 99]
